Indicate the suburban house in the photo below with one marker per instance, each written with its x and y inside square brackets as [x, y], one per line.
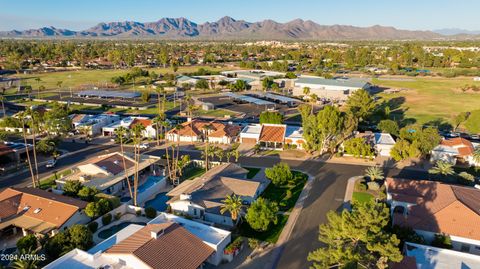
[431, 208]
[273, 136]
[92, 124]
[455, 150]
[167, 241]
[382, 143]
[338, 89]
[128, 123]
[107, 173]
[12, 151]
[201, 198]
[38, 211]
[200, 131]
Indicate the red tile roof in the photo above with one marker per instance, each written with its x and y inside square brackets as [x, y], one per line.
[464, 147]
[197, 127]
[174, 247]
[54, 208]
[272, 133]
[438, 207]
[144, 122]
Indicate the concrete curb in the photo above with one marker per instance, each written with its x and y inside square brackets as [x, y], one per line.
[349, 192]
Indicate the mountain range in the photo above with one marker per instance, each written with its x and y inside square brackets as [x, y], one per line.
[226, 28]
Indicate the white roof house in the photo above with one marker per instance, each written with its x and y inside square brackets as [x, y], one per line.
[383, 143]
[428, 257]
[251, 133]
[330, 88]
[102, 256]
[294, 136]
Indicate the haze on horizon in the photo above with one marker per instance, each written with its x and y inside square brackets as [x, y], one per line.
[408, 14]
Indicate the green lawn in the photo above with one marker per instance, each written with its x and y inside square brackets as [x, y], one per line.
[252, 171]
[97, 77]
[193, 172]
[280, 195]
[50, 181]
[431, 99]
[362, 197]
[271, 235]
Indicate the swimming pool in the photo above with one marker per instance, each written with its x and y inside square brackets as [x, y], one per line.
[151, 180]
[159, 202]
[114, 229]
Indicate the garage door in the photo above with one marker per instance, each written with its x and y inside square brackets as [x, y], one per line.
[249, 140]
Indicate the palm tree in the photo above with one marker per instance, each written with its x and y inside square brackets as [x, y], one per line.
[121, 132]
[234, 205]
[206, 131]
[34, 126]
[476, 155]
[22, 116]
[374, 173]
[137, 131]
[442, 168]
[313, 99]
[2, 100]
[161, 110]
[25, 264]
[219, 153]
[306, 91]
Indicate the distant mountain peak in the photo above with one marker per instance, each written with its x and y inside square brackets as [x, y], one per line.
[226, 28]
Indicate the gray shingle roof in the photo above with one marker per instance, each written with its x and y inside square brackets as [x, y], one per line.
[332, 82]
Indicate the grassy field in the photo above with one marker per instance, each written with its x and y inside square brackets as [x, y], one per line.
[50, 181]
[82, 77]
[430, 98]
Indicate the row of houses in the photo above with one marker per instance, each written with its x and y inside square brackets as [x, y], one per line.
[106, 124]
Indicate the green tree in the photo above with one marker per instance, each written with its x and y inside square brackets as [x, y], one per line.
[361, 104]
[476, 155]
[27, 243]
[46, 145]
[358, 147]
[202, 84]
[233, 204]
[388, 126]
[80, 236]
[459, 119]
[271, 117]
[87, 193]
[71, 188]
[403, 150]
[374, 173]
[357, 239]
[145, 96]
[442, 241]
[77, 236]
[442, 168]
[279, 174]
[261, 214]
[96, 209]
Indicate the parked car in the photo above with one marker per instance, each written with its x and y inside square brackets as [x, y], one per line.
[144, 146]
[51, 163]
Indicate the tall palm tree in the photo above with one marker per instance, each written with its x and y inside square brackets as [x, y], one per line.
[232, 204]
[59, 85]
[34, 126]
[206, 132]
[137, 131]
[22, 116]
[442, 168]
[313, 99]
[2, 100]
[476, 155]
[161, 110]
[374, 173]
[219, 153]
[121, 133]
[175, 156]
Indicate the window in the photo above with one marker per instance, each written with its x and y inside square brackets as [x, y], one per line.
[195, 211]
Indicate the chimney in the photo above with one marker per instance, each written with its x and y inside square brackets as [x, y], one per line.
[156, 232]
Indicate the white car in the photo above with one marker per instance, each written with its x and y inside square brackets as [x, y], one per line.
[144, 146]
[51, 163]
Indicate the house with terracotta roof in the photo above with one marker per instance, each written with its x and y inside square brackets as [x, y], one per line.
[167, 241]
[201, 198]
[38, 211]
[431, 208]
[454, 150]
[272, 136]
[200, 130]
[107, 172]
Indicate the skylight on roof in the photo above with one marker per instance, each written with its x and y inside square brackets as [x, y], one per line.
[37, 210]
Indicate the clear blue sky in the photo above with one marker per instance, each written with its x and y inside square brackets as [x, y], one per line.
[82, 14]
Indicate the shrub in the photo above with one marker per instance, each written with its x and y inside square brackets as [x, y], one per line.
[279, 174]
[150, 212]
[253, 243]
[72, 187]
[138, 212]
[118, 215]
[93, 226]
[106, 219]
[466, 178]
[442, 241]
[361, 185]
[234, 246]
[27, 243]
[374, 186]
